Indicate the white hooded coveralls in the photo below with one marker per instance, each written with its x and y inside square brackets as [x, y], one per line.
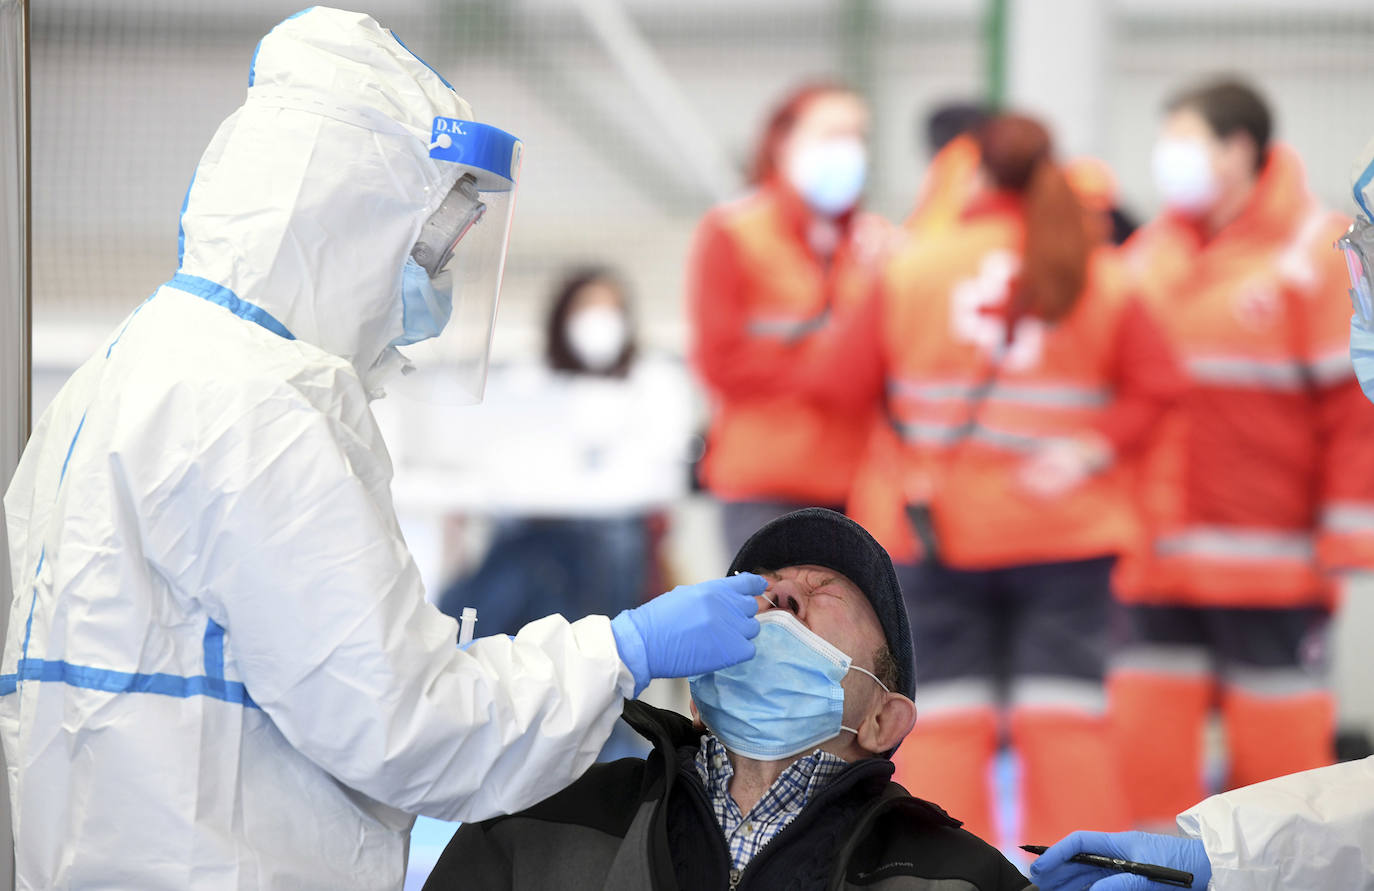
[221, 672]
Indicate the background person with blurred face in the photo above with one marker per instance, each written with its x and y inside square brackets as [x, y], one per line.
[1264, 496]
[1020, 380]
[767, 274]
[578, 507]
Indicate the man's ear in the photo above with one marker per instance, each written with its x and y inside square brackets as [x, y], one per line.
[888, 724]
[696, 716]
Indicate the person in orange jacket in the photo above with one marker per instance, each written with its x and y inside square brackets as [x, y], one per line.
[1019, 377]
[951, 181]
[768, 274]
[1265, 495]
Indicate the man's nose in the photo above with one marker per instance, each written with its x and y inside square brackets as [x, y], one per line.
[781, 596]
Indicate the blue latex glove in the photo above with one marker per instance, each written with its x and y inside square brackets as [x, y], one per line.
[1054, 872]
[690, 630]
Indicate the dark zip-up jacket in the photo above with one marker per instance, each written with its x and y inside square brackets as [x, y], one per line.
[647, 825]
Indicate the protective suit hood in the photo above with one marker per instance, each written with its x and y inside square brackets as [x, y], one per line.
[308, 199]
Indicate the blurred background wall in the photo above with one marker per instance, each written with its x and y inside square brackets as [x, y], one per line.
[637, 115]
[126, 95]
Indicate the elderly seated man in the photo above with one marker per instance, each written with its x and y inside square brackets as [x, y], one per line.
[782, 782]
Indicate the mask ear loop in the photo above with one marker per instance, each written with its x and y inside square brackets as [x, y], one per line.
[853, 667]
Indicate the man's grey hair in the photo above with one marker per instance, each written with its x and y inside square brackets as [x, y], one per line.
[885, 667]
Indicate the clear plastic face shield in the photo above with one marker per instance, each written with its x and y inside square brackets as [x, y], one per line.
[453, 283]
[1358, 247]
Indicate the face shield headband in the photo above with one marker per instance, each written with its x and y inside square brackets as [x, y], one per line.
[1357, 245]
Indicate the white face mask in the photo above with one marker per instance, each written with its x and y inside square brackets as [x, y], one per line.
[829, 174]
[1182, 171]
[597, 335]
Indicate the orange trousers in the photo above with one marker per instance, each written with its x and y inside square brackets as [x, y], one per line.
[1069, 778]
[1158, 724]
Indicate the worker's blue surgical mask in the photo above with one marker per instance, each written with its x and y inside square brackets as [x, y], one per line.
[426, 303]
[784, 701]
[1362, 355]
[829, 174]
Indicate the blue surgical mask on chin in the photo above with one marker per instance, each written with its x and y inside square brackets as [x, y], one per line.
[426, 304]
[786, 700]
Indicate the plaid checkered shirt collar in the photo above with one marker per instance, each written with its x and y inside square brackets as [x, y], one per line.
[747, 834]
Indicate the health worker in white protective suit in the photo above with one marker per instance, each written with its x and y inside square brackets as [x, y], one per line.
[1310, 830]
[221, 671]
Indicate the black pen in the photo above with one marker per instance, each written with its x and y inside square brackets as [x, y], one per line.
[1176, 877]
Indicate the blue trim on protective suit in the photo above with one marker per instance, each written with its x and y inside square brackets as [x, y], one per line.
[1360, 184]
[70, 447]
[442, 79]
[212, 683]
[88, 678]
[28, 623]
[214, 649]
[215, 293]
[127, 323]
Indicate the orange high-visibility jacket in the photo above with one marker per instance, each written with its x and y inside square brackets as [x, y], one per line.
[1104, 369]
[1267, 486]
[759, 297]
[948, 186]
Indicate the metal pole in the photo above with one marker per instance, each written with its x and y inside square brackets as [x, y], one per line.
[15, 226]
[995, 47]
[860, 34]
[16, 220]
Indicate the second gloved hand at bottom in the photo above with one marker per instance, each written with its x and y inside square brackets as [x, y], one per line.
[1054, 871]
[693, 629]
